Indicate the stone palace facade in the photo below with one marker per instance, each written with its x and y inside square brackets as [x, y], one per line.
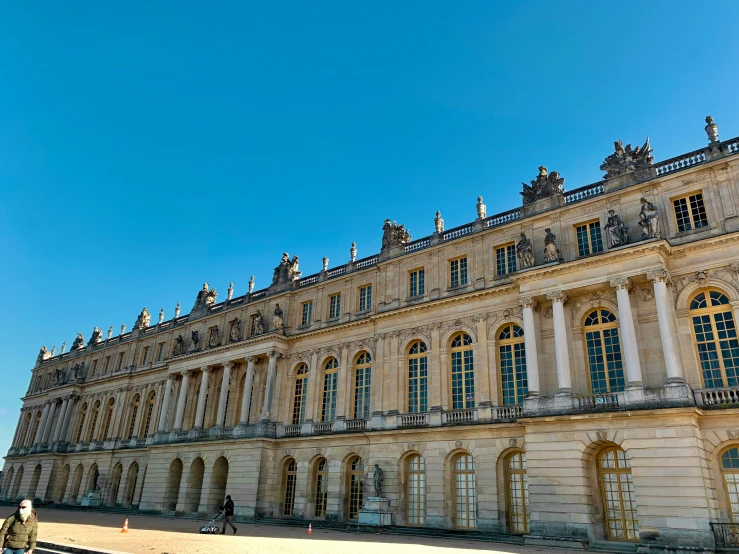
[567, 371]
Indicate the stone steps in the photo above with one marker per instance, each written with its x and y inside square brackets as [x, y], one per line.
[615, 547]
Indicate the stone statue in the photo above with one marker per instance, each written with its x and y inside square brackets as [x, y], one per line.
[277, 319]
[95, 477]
[43, 355]
[161, 315]
[235, 333]
[481, 208]
[205, 299]
[142, 322]
[97, 337]
[287, 271]
[378, 477]
[64, 347]
[551, 252]
[79, 342]
[353, 251]
[59, 376]
[624, 160]
[195, 341]
[179, 346]
[545, 185]
[230, 293]
[616, 231]
[110, 331]
[258, 323]
[438, 223]
[649, 220]
[524, 252]
[123, 328]
[394, 235]
[213, 337]
[53, 350]
[177, 310]
[325, 264]
[251, 284]
[711, 130]
[76, 372]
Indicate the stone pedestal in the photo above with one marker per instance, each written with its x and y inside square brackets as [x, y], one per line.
[375, 513]
[92, 498]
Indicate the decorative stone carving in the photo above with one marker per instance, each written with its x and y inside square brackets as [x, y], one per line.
[458, 444]
[59, 376]
[601, 435]
[110, 331]
[377, 479]
[512, 443]
[557, 296]
[123, 329]
[733, 434]
[524, 252]
[711, 130]
[353, 251]
[620, 283]
[624, 160]
[177, 310]
[394, 235]
[527, 302]
[64, 347]
[649, 220]
[206, 297]
[230, 293]
[77, 371]
[213, 337]
[194, 341]
[646, 294]
[545, 185]
[97, 337]
[277, 322]
[658, 275]
[481, 208]
[438, 223]
[251, 284]
[258, 323]
[43, 355]
[551, 252]
[179, 346]
[287, 271]
[142, 322]
[548, 312]
[78, 343]
[616, 231]
[161, 315]
[235, 332]
[325, 263]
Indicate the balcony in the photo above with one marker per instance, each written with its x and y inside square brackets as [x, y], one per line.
[727, 397]
[726, 535]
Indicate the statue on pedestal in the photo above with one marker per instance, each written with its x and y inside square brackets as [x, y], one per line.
[142, 322]
[616, 231]
[438, 223]
[544, 186]
[43, 354]
[277, 319]
[206, 298]
[287, 271]
[394, 235]
[79, 342]
[213, 337]
[230, 293]
[161, 315]
[524, 252]
[97, 337]
[95, 478]
[711, 130]
[179, 346]
[378, 477]
[251, 284]
[649, 220]
[258, 323]
[551, 252]
[195, 341]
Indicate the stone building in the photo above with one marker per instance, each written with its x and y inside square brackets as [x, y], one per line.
[564, 371]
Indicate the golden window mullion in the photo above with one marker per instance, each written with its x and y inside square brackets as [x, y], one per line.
[717, 343]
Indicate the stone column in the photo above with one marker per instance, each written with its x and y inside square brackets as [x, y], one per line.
[67, 417]
[246, 398]
[343, 385]
[221, 421]
[60, 420]
[529, 343]
[50, 421]
[628, 334]
[165, 405]
[18, 429]
[666, 328]
[267, 407]
[42, 424]
[181, 401]
[562, 351]
[200, 412]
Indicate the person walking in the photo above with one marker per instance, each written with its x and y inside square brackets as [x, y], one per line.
[228, 514]
[18, 533]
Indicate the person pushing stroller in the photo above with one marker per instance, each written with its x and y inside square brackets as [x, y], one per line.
[228, 514]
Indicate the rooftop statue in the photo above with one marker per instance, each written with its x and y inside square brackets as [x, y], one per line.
[394, 235]
[79, 342]
[624, 160]
[544, 186]
[206, 298]
[97, 336]
[287, 271]
[711, 130]
[142, 322]
[43, 354]
[551, 252]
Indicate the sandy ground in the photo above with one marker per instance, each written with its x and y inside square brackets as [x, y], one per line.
[159, 535]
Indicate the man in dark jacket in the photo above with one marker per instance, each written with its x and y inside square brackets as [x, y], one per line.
[228, 514]
[18, 533]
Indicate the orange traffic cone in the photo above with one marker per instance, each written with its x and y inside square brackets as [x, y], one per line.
[310, 528]
[125, 526]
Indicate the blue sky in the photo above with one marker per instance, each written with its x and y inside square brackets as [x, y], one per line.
[147, 148]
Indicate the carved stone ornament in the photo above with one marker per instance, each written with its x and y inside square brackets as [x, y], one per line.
[645, 294]
[527, 302]
[206, 297]
[194, 341]
[258, 323]
[287, 271]
[733, 434]
[142, 322]
[616, 232]
[179, 346]
[524, 252]
[79, 342]
[277, 322]
[97, 336]
[213, 337]
[481, 208]
[43, 355]
[235, 333]
[412, 446]
[711, 130]
[512, 443]
[438, 223]
[545, 185]
[649, 220]
[394, 235]
[624, 160]
[458, 444]
[551, 252]
[549, 312]
[601, 435]
[353, 251]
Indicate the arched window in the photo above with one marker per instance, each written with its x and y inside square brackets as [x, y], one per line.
[150, 403]
[291, 476]
[81, 423]
[465, 493]
[301, 393]
[134, 413]
[512, 362]
[109, 408]
[716, 340]
[517, 490]
[21, 442]
[330, 383]
[604, 352]
[463, 372]
[355, 486]
[321, 481]
[418, 389]
[730, 471]
[93, 422]
[416, 490]
[362, 378]
[619, 501]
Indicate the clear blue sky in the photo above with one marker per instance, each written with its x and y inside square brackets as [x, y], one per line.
[148, 147]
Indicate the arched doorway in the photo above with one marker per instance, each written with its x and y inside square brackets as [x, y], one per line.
[17, 485]
[172, 492]
[355, 487]
[619, 499]
[34, 482]
[115, 483]
[76, 482]
[8, 482]
[131, 478]
[465, 492]
[218, 482]
[91, 478]
[62, 487]
[141, 488]
[415, 494]
[289, 479]
[517, 493]
[194, 486]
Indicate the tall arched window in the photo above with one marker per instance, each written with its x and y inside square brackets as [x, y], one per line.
[301, 393]
[716, 340]
[109, 407]
[355, 487]
[362, 379]
[37, 424]
[93, 421]
[134, 413]
[418, 388]
[604, 352]
[512, 363]
[619, 500]
[330, 383]
[463, 372]
[321, 490]
[291, 476]
[150, 403]
[730, 471]
[81, 422]
[416, 490]
[517, 490]
[465, 493]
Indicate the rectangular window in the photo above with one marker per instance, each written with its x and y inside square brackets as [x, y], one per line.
[458, 272]
[334, 309]
[588, 238]
[120, 361]
[307, 317]
[253, 325]
[107, 363]
[416, 285]
[690, 212]
[145, 356]
[505, 259]
[365, 298]
[94, 366]
[160, 354]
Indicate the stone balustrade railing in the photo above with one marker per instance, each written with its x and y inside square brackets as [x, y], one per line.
[606, 401]
[717, 398]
